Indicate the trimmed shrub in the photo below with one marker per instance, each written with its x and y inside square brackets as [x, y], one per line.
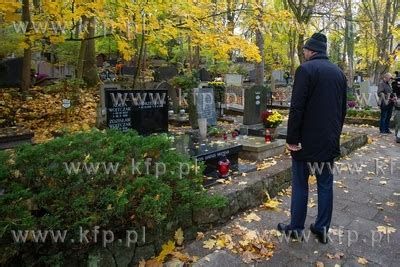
[70, 183]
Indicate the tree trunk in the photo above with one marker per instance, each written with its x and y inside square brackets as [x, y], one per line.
[81, 56]
[349, 41]
[300, 44]
[90, 75]
[259, 67]
[26, 63]
[196, 61]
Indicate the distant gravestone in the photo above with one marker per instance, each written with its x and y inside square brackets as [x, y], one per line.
[255, 103]
[128, 70]
[172, 94]
[252, 76]
[205, 105]
[205, 76]
[145, 111]
[44, 67]
[11, 72]
[165, 73]
[233, 79]
[277, 75]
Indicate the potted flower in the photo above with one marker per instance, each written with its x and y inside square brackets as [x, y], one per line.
[271, 120]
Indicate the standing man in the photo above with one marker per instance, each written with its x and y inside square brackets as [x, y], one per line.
[317, 112]
[386, 103]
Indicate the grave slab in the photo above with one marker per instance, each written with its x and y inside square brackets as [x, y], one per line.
[255, 148]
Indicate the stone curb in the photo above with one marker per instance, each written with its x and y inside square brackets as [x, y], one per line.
[251, 192]
[360, 121]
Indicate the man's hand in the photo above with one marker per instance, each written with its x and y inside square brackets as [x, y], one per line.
[293, 147]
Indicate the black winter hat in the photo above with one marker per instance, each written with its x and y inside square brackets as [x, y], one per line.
[316, 43]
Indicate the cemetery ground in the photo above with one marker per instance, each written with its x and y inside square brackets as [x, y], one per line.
[365, 204]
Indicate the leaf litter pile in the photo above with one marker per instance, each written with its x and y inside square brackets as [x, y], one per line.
[42, 112]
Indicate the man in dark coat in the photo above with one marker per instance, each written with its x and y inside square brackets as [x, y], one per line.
[317, 112]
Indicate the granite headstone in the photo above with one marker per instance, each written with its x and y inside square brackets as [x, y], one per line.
[165, 73]
[205, 105]
[145, 111]
[10, 72]
[255, 103]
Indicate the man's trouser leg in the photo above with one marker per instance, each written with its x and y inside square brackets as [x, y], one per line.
[298, 209]
[325, 198]
[383, 120]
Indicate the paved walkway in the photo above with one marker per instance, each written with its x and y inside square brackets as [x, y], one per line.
[363, 203]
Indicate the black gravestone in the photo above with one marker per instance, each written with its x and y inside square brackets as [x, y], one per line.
[205, 76]
[205, 105]
[128, 70]
[145, 111]
[255, 101]
[11, 72]
[165, 73]
[252, 76]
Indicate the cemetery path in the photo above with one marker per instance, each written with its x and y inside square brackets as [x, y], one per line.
[366, 208]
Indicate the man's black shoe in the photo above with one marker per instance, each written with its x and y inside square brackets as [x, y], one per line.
[322, 238]
[389, 132]
[283, 228]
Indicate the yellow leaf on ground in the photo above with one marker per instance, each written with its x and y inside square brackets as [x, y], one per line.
[386, 229]
[166, 250]
[153, 263]
[252, 217]
[362, 261]
[271, 204]
[210, 243]
[312, 179]
[179, 237]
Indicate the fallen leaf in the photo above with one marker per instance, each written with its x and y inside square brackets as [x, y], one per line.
[199, 236]
[330, 256]
[319, 264]
[396, 194]
[252, 217]
[249, 257]
[362, 261]
[383, 182]
[242, 183]
[210, 243]
[179, 237]
[385, 229]
[390, 204]
[142, 263]
[153, 263]
[166, 250]
[339, 255]
[312, 180]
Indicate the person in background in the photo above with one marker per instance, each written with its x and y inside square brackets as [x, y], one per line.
[397, 118]
[386, 103]
[396, 84]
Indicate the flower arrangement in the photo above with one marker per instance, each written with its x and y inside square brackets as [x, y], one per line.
[216, 84]
[271, 119]
[351, 103]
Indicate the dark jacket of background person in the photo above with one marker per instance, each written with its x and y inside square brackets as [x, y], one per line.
[317, 111]
[384, 92]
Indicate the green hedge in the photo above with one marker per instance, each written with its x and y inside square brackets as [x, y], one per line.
[38, 192]
[363, 114]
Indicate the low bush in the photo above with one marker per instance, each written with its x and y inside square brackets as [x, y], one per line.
[37, 192]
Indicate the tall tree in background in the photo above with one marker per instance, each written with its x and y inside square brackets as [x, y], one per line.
[302, 11]
[383, 15]
[26, 67]
[349, 40]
